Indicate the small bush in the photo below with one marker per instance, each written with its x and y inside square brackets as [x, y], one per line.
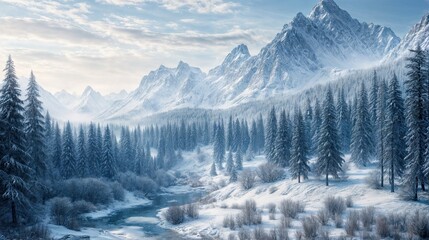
[282, 234]
[89, 189]
[269, 172]
[338, 221]
[239, 220]
[247, 179]
[382, 226]
[164, 179]
[349, 201]
[81, 207]
[310, 226]
[285, 222]
[228, 222]
[260, 234]
[398, 221]
[250, 214]
[192, 210]
[38, 231]
[418, 225]
[175, 215]
[61, 210]
[231, 236]
[117, 191]
[373, 180]
[291, 208]
[352, 223]
[323, 217]
[272, 211]
[367, 217]
[244, 234]
[334, 205]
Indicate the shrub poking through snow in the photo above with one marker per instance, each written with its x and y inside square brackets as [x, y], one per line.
[373, 180]
[117, 191]
[352, 223]
[192, 210]
[269, 172]
[323, 217]
[229, 222]
[272, 211]
[247, 179]
[398, 221]
[291, 208]
[250, 213]
[367, 217]
[310, 227]
[418, 225]
[60, 210]
[244, 234]
[349, 201]
[382, 226]
[175, 215]
[338, 221]
[334, 205]
[285, 222]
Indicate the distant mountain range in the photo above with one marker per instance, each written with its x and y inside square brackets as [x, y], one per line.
[308, 50]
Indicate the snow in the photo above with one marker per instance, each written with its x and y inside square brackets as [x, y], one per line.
[311, 192]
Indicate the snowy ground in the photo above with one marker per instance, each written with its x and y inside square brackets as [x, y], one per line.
[312, 192]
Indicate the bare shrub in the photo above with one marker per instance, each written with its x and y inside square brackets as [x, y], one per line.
[398, 221]
[239, 220]
[282, 234]
[291, 208]
[174, 215]
[132, 182]
[192, 210]
[323, 217]
[352, 223]
[81, 207]
[382, 226]
[269, 172]
[235, 206]
[228, 222]
[373, 180]
[38, 231]
[247, 179]
[334, 205]
[260, 234]
[89, 189]
[250, 214]
[324, 235]
[310, 227]
[299, 235]
[349, 201]
[285, 222]
[244, 234]
[117, 191]
[231, 236]
[367, 217]
[338, 221]
[61, 208]
[164, 179]
[418, 225]
[272, 211]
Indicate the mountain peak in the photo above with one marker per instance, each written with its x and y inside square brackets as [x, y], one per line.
[241, 49]
[88, 90]
[182, 65]
[328, 8]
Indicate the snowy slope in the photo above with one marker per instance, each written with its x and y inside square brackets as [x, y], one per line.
[309, 49]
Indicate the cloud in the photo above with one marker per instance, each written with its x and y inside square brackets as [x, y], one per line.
[199, 6]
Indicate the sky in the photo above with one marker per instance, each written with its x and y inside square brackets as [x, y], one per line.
[111, 44]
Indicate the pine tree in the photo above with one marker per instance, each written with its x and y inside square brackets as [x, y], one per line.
[238, 160]
[270, 138]
[213, 170]
[253, 145]
[140, 160]
[283, 145]
[373, 100]
[229, 163]
[416, 118]
[108, 164]
[34, 129]
[361, 145]
[329, 160]
[308, 120]
[236, 138]
[394, 130]
[261, 134]
[233, 177]
[317, 121]
[219, 146]
[57, 149]
[229, 134]
[245, 138]
[343, 122]
[82, 160]
[68, 157]
[49, 143]
[379, 126]
[299, 151]
[92, 152]
[14, 169]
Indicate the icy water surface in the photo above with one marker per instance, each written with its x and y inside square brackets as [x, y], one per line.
[141, 222]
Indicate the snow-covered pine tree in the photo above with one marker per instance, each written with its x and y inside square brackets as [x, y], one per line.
[68, 157]
[315, 126]
[379, 127]
[299, 161]
[373, 100]
[283, 144]
[394, 130]
[160, 158]
[92, 152]
[14, 169]
[229, 134]
[182, 135]
[329, 160]
[126, 154]
[233, 177]
[343, 122]
[308, 120]
[219, 146]
[34, 129]
[416, 118]
[245, 138]
[57, 149]
[99, 149]
[238, 160]
[108, 164]
[229, 162]
[48, 139]
[261, 133]
[213, 170]
[253, 145]
[361, 142]
[236, 138]
[270, 137]
[140, 160]
[82, 160]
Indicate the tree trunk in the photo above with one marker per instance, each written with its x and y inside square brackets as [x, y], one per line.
[299, 178]
[327, 181]
[382, 162]
[416, 188]
[392, 181]
[423, 185]
[14, 217]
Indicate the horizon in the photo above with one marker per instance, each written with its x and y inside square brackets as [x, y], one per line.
[68, 48]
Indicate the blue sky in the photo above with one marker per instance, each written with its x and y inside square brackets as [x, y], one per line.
[111, 44]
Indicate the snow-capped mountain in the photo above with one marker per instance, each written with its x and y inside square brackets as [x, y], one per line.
[90, 102]
[161, 90]
[418, 35]
[308, 49]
